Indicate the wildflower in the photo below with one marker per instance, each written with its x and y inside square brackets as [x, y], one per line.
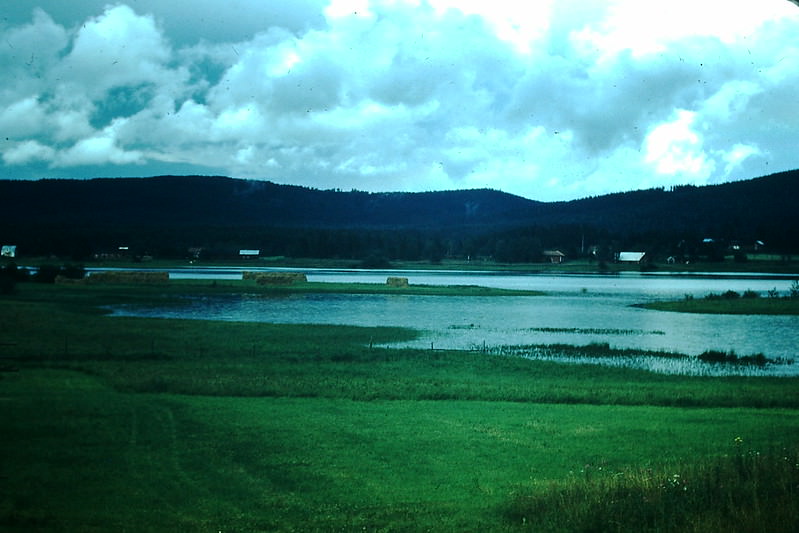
[738, 440]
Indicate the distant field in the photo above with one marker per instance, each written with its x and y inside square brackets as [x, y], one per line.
[114, 423]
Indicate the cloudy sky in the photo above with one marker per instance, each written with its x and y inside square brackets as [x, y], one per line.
[551, 100]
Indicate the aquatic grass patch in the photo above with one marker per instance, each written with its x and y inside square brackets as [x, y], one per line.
[598, 331]
[709, 363]
[361, 374]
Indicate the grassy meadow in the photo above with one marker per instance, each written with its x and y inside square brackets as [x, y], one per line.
[118, 423]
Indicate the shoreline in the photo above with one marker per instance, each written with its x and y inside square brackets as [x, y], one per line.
[234, 269]
[753, 267]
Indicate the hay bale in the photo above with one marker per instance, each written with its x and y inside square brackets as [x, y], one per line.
[278, 278]
[392, 281]
[134, 277]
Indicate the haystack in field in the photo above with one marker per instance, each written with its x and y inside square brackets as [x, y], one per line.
[392, 281]
[276, 278]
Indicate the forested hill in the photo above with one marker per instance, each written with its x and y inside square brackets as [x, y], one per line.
[204, 201]
[169, 213]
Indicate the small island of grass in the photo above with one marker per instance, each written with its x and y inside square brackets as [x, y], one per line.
[296, 283]
[378, 288]
[733, 303]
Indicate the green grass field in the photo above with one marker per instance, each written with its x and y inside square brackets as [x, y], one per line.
[114, 424]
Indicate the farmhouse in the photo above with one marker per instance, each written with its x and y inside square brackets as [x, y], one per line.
[555, 257]
[9, 251]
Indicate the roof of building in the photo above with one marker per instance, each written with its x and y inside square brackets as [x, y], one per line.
[631, 256]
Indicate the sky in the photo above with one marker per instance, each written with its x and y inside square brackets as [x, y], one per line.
[551, 100]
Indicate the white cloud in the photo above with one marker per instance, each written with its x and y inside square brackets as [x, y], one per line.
[338, 9]
[115, 49]
[28, 52]
[730, 100]
[551, 100]
[674, 147]
[27, 152]
[651, 27]
[737, 155]
[23, 118]
[99, 149]
[519, 23]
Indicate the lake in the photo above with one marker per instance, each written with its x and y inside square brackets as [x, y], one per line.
[577, 309]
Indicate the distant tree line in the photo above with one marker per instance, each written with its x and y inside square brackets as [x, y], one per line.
[372, 246]
[166, 217]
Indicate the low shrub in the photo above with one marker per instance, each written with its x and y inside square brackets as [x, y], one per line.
[49, 273]
[46, 274]
[727, 295]
[715, 356]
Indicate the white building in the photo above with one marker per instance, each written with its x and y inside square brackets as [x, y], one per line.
[630, 257]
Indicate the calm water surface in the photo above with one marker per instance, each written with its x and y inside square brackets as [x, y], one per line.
[577, 309]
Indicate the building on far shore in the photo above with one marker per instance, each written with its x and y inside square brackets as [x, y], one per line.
[631, 257]
[9, 251]
[249, 254]
[555, 257]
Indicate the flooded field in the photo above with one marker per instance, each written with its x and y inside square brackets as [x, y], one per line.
[576, 310]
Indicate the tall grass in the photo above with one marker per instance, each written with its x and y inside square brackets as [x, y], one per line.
[745, 491]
